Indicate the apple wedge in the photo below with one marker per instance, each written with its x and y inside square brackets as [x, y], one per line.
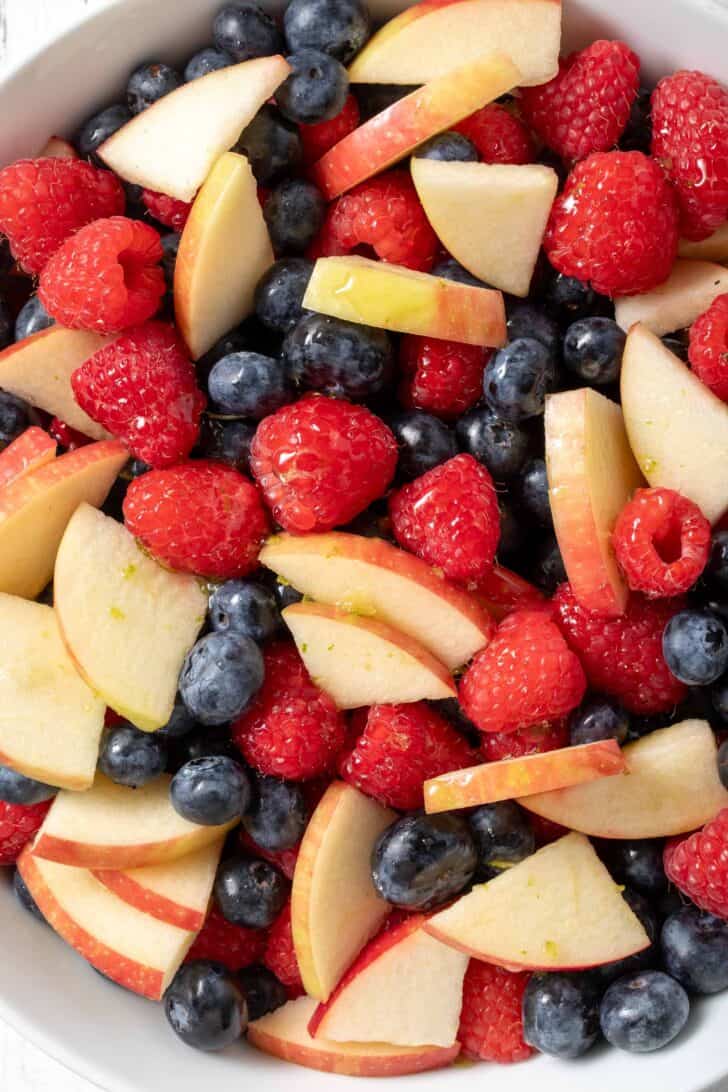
[128, 946]
[392, 297]
[361, 661]
[556, 910]
[36, 508]
[405, 988]
[32, 449]
[284, 1034]
[688, 291]
[214, 280]
[127, 622]
[712, 249]
[653, 798]
[396, 131]
[677, 427]
[592, 474]
[171, 146]
[490, 216]
[435, 36]
[369, 576]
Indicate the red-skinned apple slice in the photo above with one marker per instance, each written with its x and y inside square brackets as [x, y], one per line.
[712, 249]
[688, 291]
[502, 591]
[33, 448]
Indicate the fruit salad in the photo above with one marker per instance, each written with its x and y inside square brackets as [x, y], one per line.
[364, 538]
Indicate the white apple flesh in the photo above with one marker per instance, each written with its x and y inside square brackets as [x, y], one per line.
[689, 290]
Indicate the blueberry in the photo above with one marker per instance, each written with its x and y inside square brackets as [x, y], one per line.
[499, 445]
[637, 136]
[717, 568]
[170, 246]
[533, 491]
[339, 358]
[220, 675]
[503, 836]
[677, 346]
[205, 1006]
[248, 384]
[250, 893]
[280, 293]
[640, 961]
[561, 1014]
[244, 31]
[272, 144]
[644, 1011]
[637, 863]
[148, 84]
[598, 718]
[15, 788]
[244, 607]
[210, 791]
[450, 270]
[593, 350]
[179, 724]
[525, 320]
[286, 595]
[133, 758]
[202, 743]
[373, 98]
[695, 950]
[723, 763]
[517, 379]
[206, 61]
[338, 27]
[25, 898]
[448, 147]
[263, 992]
[316, 89]
[32, 318]
[570, 299]
[451, 710]
[422, 861]
[249, 335]
[695, 647]
[278, 815]
[99, 128]
[7, 261]
[14, 418]
[294, 213]
[228, 442]
[512, 530]
[547, 568]
[424, 442]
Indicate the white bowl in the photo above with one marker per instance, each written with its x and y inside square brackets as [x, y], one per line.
[46, 991]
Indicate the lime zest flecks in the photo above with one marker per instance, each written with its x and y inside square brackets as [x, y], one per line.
[117, 613]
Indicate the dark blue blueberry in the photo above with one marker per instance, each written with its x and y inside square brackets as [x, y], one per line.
[517, 379]
[15, 417]
[180, 723]
[717, 568]
[148, 84]
[219, 677]
[695, 647]
[316, 89]
[99, 128]
[7, 326]
[15, 788]
[424, 442]
[503, 836]
[244, 31]
[206, 61]
[422, 861]
[598, 718]
[450, 709]
[245, 607]
[570, 299]
[249, 335]
[263, 992]
[210, 791]
[7, 261]
[637, 864]
[637, 136]
[294, 213]
[373, 98]
[533, 492]
[499, 445]
[593, 350]
[280, 293]
[512, 529]
[133, 758]
[644, 1011]
[640, 961]
[32, 318]
[339, 358]
[338, 27]
[25, 898]
[202, 743]
[373, 522]
[448, 147]
[286, 595]
[250, 893]
[678, 346]
[205, 1006]
[525, 320]
[272, 144]
[723, 763]
[561, 1014]
[450, 270]
[547, 568]
[227, 442]
[278, 815]
[248, 384]
[170, 246]
[695, 950]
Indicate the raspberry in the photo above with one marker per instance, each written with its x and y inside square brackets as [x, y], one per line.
[690, 140]
[499, 135]
[400, 748]
[385, 214]
[44, 201]
[66, 436]
[105, 277]
[291, 729]
[623, 656]
[502, 591]
[528, 741]
[142, 388]
[442, 377]
[169, 211]
[698, 865]
[283, 859]
[321, 461]
[280, 954]
[449, 517]
[199, 517]
[18, 825]
[586, 107]
[662, 542]
[317, 139]
[708, 352]
[232, 945]
[614, 224]
[525, 676]
[491, 1023]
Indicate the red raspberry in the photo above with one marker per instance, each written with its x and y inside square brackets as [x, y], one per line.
[232, 945]
[385, 214]
[528, 741]
[502, 591]
[199, 517]
[499, 135]
[708, 352]
[400, 748]
[169, 211]
[615, 224]
[18, 825]
[586, 107]
[623, 656]
[525, 676]
[442, 377]
[698, 865]
[662, 542]
[44, 201]
[491, 1022]
[66, 436]
[317, 139]
[280, 954]
[321, 461]
[690, 140]
[142, 388]
[449, 517]
[291, 729]
[283, 859]
[105, 277]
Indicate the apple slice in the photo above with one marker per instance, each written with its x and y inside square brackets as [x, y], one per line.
[284, 1034]
[214, 281]
[361, 661]
[405, 988]
[36, 508]
[435, 36]
[592, 474]
[712, 249]
[336, 853]
[654, 797]
[177, 892]
[128, 623]
[501, 592]
[368, 576]
[39, 369]
[677, 428]
[128, 946]
[32, 449]
[490, 216]
[557, 910]
[688, 291]
[391, 297]
[171, 146]
[396, 131]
